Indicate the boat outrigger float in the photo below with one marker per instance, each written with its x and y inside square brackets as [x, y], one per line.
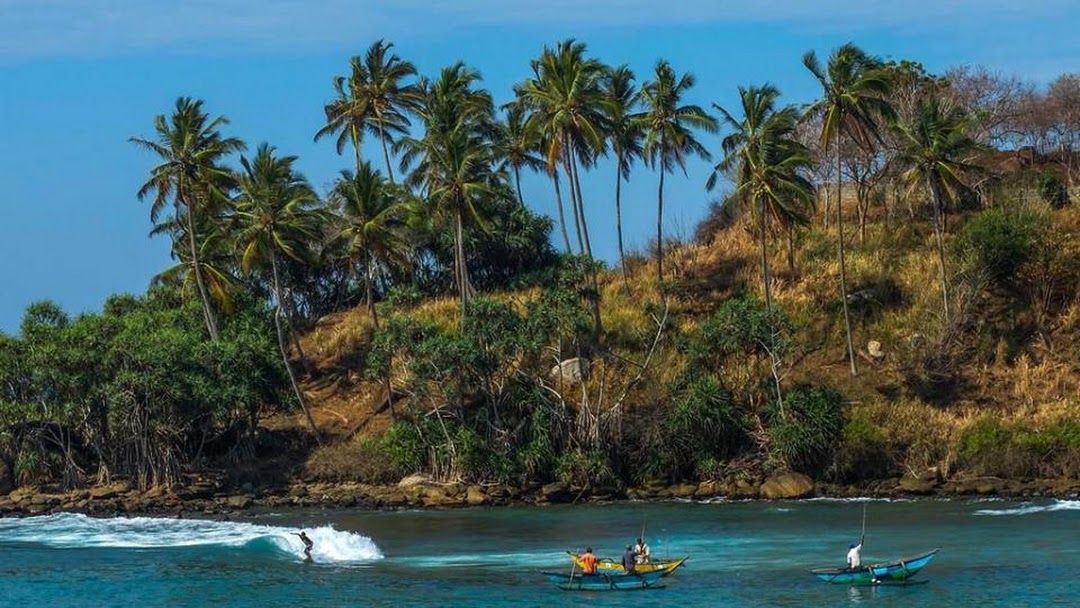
[607, 581]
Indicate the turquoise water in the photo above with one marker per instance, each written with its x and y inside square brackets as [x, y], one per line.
[993, 553]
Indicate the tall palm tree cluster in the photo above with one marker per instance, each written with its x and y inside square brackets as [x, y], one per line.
[460, 160]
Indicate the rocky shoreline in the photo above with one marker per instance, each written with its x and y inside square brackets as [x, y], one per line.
[205, 496]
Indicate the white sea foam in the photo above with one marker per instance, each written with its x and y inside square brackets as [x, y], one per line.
[858, 499]
[1029, 508]
[70, 530]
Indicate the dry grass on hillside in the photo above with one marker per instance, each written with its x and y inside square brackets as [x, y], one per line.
[898, 260]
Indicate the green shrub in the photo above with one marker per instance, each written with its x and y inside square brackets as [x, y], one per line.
[705, 422]
[1001, 242]
[1052, 190]
[478, 460]
[983, 437]
[581, 469]
[404, 447]
[805, 430]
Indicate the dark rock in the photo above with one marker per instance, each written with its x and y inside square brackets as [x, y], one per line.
[7, 482]
[555, 492]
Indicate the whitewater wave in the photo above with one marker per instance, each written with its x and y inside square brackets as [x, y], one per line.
[1029, 508]
[74, 530]
[858, 499]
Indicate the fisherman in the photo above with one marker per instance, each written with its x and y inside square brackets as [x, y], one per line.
[588, 562]
[641, 552]
[854, 555]
[629, 559]
[308, 544]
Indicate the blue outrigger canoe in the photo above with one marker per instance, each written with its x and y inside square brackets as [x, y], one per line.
[606, 581]
[898, 571]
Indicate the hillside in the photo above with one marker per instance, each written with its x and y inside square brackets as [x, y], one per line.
[992, 393]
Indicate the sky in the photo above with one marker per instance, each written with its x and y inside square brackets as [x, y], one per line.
[80, 77]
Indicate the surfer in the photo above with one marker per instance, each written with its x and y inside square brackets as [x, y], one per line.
[308, 544]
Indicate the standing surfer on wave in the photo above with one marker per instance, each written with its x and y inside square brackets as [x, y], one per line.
[308, 544]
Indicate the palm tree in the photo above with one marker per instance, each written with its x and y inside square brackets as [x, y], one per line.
[455, 164]
[566, 100]
[375, 223]
[191, 150]
[517, 147]
[372, 99]
[277, 215]
[936, 149]
[669, 138]
[854, 91]
[346, 115]
[770, 165]
[625, 134]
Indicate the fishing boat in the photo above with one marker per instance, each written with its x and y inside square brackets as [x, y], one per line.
[606, 581]
[666, 566]
[897, 571]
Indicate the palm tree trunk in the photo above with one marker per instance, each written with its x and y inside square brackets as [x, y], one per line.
[294, 336]
[935, 189]
[278, 314]
[517, 184]
[562, 215]
[791, 249]
[618, 218]
[356, 147]
[462, 276]
[765, 254]
[208, 311]
[840, 251]
[574, 206]
[660, 226]
[826, 216]
[386, 153]
[581, 206]
[863, 206]
[369, 291]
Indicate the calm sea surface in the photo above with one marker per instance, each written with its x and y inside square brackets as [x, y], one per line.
[993, 553]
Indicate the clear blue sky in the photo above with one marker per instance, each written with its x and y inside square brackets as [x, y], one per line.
[77, 78]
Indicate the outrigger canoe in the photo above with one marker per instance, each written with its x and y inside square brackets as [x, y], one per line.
[606, 581]
[897, 571]
[611, 566]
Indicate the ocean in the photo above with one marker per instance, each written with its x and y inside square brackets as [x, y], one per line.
[993, 553]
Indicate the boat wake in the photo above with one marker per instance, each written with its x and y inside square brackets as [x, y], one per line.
[72, 530]
[1028, 508]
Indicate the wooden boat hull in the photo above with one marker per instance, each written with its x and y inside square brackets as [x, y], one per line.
[610, 566]
[606, 581]
[875, 574]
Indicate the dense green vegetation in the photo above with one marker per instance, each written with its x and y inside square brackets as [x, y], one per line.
[955, 312]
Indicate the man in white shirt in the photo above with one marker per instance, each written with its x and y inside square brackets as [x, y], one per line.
[854, 555]
[641, 551]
